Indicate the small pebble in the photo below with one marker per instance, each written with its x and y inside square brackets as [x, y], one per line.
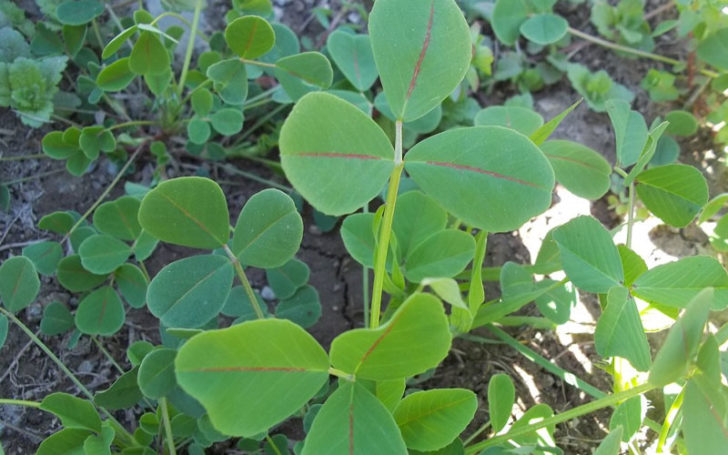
[267, 293]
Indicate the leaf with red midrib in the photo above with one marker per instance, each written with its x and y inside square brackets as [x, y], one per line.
[334, 154]
[253, 375]
[352, 421]
[431, 55]
[416, 338]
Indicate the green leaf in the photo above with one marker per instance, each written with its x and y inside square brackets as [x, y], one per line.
[352, 420]
[3, 331]
[632, 263]
[58, 222]
[714, 48]
[123, 393]
[202, 102]
[102, 254]
[94, 139]
[675, 193]
[74, 37]
[78, 12]
[288, 278]
[73, 412]
[250, 36]
[144, 246]
[353, 55]
[119, 218]
[508, 15]
[100, 313]
[268, 231]
[156, 373]
[333, 154]
[521, 119]
[238, 306]
[416, 218]
[19, 283]
[677, 283]
[619, 330]
[432, 419]
[713, 207]
[580, 169]
[682, 123]
[418, 327]
[58, 147]
[132, 285]
[501, 397]
[116, 76]
[57, 319]
[148, 56]
[610, 445]
[444, 254]
[544, 29]
[630, 130]
[230, 80]
[358, 236]
[115, 44]
[74, 277]
[674, 357]
[187, 211]
[590, 259]
[489, 158]
[705, 416]
[240, 374]
[430, 37]
[303, 73]
[629, 415]
[68, 441]
[45, 256]
[303, 308]
[227, 121]
[100, 444]
[189, 292]
[198, 130]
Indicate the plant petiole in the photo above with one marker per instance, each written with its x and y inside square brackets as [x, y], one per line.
[606, 401]
[244, 281]
[190, 46]
[168, 435]
[380, 266]
[26, 403]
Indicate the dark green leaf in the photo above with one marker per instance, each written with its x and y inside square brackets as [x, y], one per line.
[19, 283]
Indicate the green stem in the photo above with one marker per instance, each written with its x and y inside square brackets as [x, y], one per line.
[26, 403]
[630, 215]
[530, 354]
[251, 176]
[380, 266]
[365, 283]
[246, 284]
[190, 46]
[261, 121]
[32, 177]
[24, 157]
[257, 63]
[629, 50]
[607, 401]
[107, 354]
[167, 426]
[273, 446]
[131, 123]
[477, 433]
[341, 374]
[669, 419]
[106, 192]
[199, 86]
[38, 342]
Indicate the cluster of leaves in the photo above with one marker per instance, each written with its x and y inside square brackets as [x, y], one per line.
[231, 366]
